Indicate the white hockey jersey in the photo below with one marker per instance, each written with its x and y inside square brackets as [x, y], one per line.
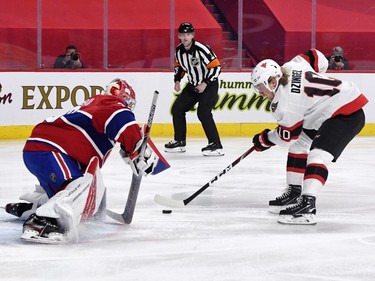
[309, 99]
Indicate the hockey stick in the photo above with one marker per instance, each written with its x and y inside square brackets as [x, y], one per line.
[127, 215]
[182, 203]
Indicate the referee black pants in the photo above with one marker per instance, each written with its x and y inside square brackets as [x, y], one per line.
[206, 102]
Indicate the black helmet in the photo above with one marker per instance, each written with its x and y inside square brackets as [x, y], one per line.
[186, 27]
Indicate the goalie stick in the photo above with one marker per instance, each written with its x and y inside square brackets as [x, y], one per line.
[182, 203]
[127, 215]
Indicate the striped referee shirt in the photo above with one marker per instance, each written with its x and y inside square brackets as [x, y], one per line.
[200, 64]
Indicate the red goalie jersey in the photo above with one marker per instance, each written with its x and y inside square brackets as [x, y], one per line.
[91, 129]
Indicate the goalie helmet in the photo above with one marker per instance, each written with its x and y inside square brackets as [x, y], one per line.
[262, 73]
[120, 88]
[186, 27]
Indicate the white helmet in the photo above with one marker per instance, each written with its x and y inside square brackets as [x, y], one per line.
[120, 88]
[263, 71]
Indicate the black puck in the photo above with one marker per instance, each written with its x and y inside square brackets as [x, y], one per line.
[167, 211]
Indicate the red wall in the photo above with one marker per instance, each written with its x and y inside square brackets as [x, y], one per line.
[281, 29]
[138, 31]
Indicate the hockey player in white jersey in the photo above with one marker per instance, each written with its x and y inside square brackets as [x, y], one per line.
[317, 117]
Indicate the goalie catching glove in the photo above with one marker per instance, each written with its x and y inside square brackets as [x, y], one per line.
[141, 166]
[261, 141]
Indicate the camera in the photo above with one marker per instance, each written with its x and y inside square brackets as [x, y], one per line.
[74, 56]
[338, 58]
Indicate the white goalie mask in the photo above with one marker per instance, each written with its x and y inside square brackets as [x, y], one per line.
[122, 89]
[262, 73]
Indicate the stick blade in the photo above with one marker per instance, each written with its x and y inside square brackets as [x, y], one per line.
[115, 216]
[168, 202]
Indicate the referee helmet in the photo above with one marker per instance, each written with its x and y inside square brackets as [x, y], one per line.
[186, 27]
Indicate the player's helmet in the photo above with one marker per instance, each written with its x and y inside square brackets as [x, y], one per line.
[120, 88]
[263, 71]
[186, 27]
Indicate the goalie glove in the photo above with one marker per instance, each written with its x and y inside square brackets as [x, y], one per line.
[261, 141]
[141, 166]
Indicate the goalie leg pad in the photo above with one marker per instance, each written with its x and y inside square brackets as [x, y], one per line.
[37, 198]
[24, 210]
[78, 202]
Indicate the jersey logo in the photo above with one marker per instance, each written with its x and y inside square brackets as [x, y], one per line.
[194, 61]
[274, 106]
[53, 177]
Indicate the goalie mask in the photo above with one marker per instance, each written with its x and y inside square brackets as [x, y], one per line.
[263, 72]
[120, 88]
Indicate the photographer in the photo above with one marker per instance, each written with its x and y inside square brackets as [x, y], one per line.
[337, 61]
[71, 59]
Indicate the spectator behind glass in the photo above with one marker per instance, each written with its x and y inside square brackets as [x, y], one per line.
[337, 61]
[71, 59]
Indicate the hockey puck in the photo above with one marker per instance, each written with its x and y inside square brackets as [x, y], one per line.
[167, 211]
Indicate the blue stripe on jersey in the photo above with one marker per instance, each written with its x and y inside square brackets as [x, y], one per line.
[83, 123]
[116, 123]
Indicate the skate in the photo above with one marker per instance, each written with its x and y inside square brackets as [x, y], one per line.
[43, 230]
[17, 209]
[175, 146]
[301, 213]
[33, 200]
[213, 149]
[288, 198]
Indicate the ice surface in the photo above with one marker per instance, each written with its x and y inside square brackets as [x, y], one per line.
[226, 233]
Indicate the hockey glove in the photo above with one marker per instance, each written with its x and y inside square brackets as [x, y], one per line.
[261, 141]
[141, 165]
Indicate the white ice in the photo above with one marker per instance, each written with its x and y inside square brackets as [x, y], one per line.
[226, 233]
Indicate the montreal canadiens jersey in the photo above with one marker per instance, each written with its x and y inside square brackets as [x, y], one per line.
[91, 129]
[309, 99]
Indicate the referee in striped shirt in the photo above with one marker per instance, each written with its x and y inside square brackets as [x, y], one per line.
[202, 68]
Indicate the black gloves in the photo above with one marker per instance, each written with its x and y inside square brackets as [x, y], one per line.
[261, 141]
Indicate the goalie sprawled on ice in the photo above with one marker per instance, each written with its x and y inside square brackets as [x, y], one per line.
[66, 153]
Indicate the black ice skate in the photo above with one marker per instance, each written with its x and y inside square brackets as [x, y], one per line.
[301, 213]
[175, 146]
[43, 230]
[288, 198]
[213, 149]
[17, 209]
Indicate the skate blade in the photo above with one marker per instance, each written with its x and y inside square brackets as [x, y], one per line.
[33, 237]
[217, 152]
[175, 150]
[306, 219]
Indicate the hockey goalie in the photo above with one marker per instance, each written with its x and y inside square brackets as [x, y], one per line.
[65, 154]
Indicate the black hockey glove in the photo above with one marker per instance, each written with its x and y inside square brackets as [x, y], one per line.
[261, 141]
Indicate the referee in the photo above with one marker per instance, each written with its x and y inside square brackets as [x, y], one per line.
[203, 68]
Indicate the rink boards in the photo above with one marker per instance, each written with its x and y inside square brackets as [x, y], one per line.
[27, 98]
